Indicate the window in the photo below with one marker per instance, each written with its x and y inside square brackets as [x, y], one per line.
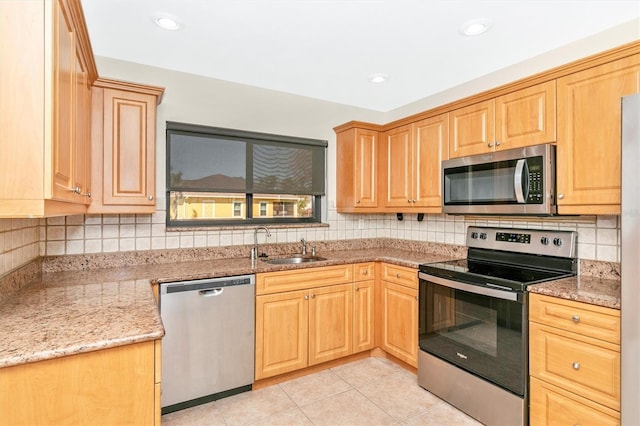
[222, 176]
[263, 209]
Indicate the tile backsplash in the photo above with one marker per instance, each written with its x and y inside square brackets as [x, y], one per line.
[22, 240]
[19, 243]
[598, 237]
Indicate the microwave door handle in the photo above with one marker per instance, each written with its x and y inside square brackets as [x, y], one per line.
[522, 189]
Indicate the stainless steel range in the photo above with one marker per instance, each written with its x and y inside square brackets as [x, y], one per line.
[473, 319]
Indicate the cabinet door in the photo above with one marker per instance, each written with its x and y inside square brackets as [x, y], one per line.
[551, 405]
[82, 132]
[281, 333]
[105, 387]
[366, 175]
[430, 148]
[129, 149]
[356, 171]
[64, 52]
[363, 314]
[400, 322]
[472, 129]
[397, 159]
[526, 117]
[330, 323]
[589, 132]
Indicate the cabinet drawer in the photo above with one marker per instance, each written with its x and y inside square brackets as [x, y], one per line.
[589, 320]
[551, 405]
[364, 271]
[587, 367]
[407, 277]
[299, 279]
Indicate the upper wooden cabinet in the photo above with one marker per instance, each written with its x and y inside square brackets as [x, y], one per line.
[123, 134]
[411, 156]
[589, 136]
[357, 169]
[46, 72]
[522, 118]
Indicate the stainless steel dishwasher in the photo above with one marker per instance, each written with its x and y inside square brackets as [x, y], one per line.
[208, 348]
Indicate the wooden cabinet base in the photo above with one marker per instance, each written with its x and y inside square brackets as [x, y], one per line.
[106, 387]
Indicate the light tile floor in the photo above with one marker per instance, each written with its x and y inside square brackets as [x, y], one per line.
[371, 391]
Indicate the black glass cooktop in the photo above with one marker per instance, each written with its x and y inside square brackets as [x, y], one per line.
[515, 277]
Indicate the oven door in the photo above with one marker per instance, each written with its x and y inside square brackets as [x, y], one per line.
[481, 330]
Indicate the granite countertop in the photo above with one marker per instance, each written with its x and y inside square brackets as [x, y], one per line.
[72, 312]
[76, 311]
[593, 290]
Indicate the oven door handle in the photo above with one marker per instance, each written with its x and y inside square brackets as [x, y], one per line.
[470, 288]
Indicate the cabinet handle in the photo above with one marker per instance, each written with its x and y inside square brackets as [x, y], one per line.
[576, 365]
[150, 197]
[306, 297]
[489, 144]
[575, 318]
[497, 143]
[560, 196]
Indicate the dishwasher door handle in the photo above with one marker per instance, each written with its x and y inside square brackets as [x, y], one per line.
[212, 292]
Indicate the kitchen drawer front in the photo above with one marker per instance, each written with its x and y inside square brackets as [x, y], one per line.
[587, 367]
[589, 320]
[401, 275]
[300, 279]
[551, 405]
[364, 271]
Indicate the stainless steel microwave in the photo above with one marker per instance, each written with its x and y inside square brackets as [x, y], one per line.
[519, 181]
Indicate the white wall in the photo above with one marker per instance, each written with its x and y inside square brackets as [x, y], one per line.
[614, 37]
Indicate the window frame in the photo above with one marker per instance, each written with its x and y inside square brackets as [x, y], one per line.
[249, 138]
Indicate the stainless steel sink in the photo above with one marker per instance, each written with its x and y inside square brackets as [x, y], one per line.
[297, 258]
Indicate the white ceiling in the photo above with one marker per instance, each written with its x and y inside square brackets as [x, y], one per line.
[326, 49]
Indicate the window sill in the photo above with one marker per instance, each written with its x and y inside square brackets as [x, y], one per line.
[246, 227]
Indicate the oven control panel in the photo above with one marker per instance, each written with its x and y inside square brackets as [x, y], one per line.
[532, 241]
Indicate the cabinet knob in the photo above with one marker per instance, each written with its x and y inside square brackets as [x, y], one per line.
[88, 194]
[365, 272]
[560, 196]
[150, 197]
[576, 365]
[497, 143]
[306, 297]
[76, 190]
[408, 201]
[313, 296]
[575, 318]
[357, 288]
[397, 275]
[358, 202]
[489, 144]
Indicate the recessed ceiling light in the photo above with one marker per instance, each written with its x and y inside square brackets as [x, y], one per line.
[167, 22]
[378, 78]
[475, 27]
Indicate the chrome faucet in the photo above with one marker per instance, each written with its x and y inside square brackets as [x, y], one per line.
[304, 246]
[254, 250]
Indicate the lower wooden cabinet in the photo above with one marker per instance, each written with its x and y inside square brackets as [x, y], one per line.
[574, 362]
[300, 328]
[552, 405]
[399, 313]
[118, 385]
[400, 322]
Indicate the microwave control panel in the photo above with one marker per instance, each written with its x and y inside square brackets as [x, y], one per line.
[536, 184]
